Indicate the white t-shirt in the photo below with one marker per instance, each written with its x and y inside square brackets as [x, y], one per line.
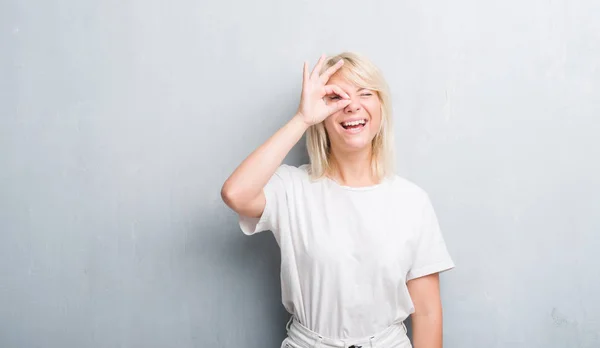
[346, 252]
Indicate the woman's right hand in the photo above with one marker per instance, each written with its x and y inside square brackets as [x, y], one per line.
[315, 105]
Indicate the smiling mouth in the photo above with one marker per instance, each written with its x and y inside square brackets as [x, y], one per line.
[354, 124]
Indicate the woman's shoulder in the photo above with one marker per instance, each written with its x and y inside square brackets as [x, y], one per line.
[293, 169]
[292, 172]
[408, 188]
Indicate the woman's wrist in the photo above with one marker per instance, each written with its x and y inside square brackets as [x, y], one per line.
[299, 121]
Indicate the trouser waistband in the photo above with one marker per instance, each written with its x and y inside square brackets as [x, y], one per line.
[394, 335]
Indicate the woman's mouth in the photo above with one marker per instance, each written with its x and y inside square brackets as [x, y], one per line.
[354, 126]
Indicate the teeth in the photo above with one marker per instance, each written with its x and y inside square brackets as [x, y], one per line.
[353, 123]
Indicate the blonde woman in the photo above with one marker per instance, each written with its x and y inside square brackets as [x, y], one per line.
[361, 248]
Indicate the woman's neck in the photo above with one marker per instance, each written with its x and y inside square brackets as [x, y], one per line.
[352, 169]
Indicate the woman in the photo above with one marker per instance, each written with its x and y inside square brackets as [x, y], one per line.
[361, 248]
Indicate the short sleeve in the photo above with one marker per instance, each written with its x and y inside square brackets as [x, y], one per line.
[275, 207]
[431, 254]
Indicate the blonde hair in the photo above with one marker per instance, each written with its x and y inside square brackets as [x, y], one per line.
[364, 74]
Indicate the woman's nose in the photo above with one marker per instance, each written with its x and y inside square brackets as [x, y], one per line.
[354, 106]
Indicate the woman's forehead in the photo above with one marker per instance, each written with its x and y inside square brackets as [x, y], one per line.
[344, 83]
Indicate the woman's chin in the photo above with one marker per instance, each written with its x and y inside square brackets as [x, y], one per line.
[355, 144]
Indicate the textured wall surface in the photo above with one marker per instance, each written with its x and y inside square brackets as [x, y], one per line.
[120, 120]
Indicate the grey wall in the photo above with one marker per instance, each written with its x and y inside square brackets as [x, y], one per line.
[120, 121]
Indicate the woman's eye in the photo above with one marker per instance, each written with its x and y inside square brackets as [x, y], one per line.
[367, 94]
[334, 97]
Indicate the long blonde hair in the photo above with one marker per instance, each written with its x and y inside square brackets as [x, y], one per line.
[364, 74]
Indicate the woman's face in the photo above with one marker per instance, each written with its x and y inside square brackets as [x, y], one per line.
[353, 128]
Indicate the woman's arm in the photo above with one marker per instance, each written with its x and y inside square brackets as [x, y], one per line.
[427, 318]
[243, 190]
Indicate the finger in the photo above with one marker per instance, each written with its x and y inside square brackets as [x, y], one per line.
[304, 73]
[331, 70]
[337, 106]
[334, 89]
[315, 72]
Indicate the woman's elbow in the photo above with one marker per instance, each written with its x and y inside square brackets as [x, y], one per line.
[228, 195]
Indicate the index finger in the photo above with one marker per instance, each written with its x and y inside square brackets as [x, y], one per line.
[331, 70]
[317, 67]
[333, 89]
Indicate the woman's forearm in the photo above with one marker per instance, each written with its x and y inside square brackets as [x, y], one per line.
[427, 330]
[250, 177]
